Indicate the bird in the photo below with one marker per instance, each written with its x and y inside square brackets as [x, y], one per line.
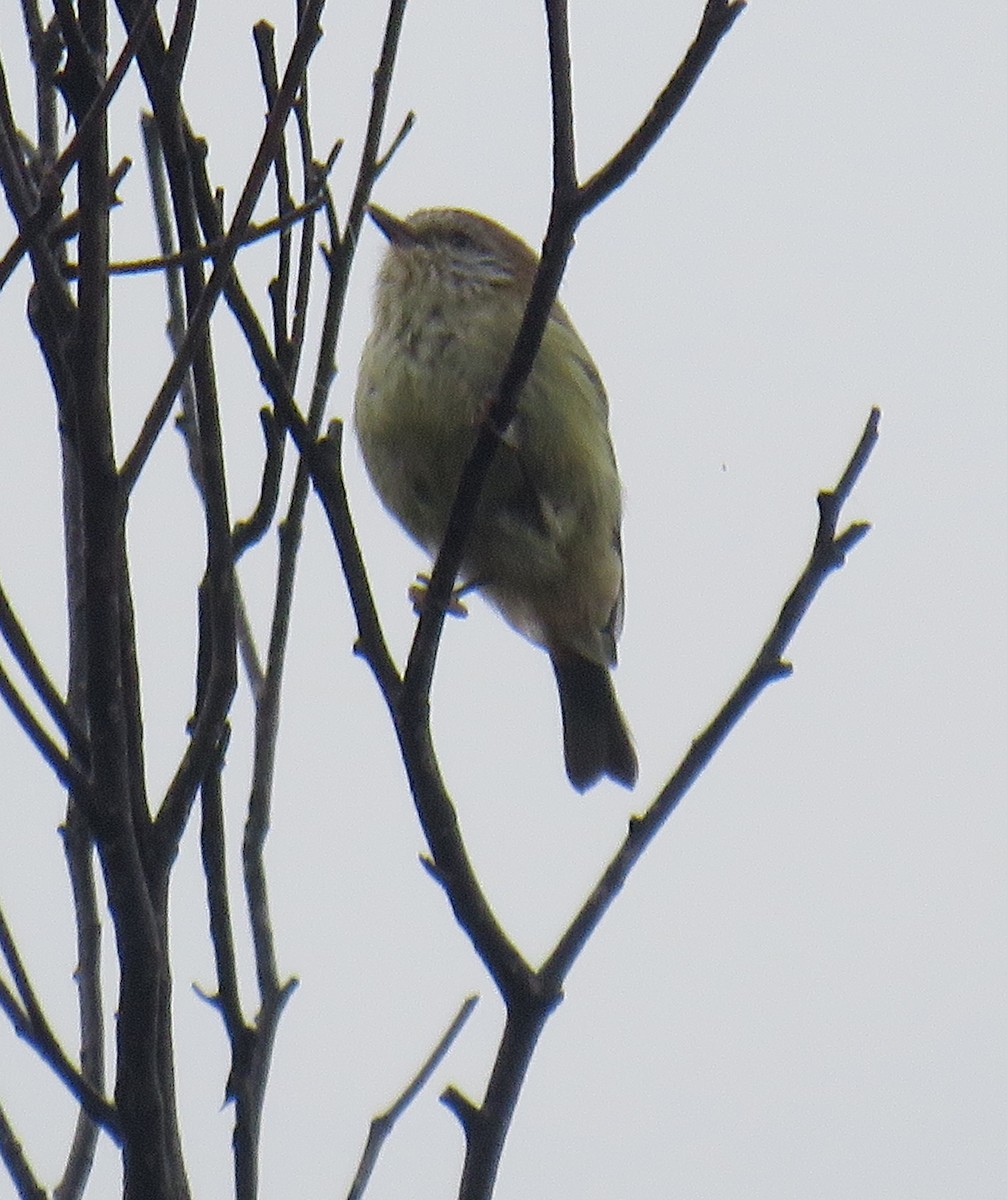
[544, 547]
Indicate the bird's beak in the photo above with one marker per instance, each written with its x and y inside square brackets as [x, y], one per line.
[398, 231]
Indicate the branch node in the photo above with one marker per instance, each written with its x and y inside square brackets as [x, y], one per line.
[211, 998]
[850, 536]
[432, 869]
[464, 1110]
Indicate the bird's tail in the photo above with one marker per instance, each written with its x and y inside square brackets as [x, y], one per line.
[596, 740]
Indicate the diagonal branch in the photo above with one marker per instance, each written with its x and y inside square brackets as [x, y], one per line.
[827, 555]
[718, 17]
[307, 38]
[29, 662]
[325, 458]
[52, 181]
[22, 199]
[174, 810]
[18, 1167]
[486, 1125]
[67, 770]
[384, 1123]
[29, 1022]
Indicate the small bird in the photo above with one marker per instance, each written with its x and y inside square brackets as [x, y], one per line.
[544, 547]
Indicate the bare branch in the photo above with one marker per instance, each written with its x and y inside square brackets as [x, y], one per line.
[718, 17]
[250, 530]
[67, 770]
[18, 1167]
[384, 1123]
[178, 44]
[411, 710]
[564, 156]
[486, 1126]
[157, 177]
[279, 287]
[24, 653]
[267, 706]
[251, 1046]
[211, 842]
[22, 199]
[371, 161]
[307, 38]
[30, 1023]
[52, 181]
[78, 848]
[408, 122]
[256, 232]
[314, 176]
[528, 1010]
[569, 205]
[529, 995]
[272, 375]
[768, 666]
[247, 648]
[46, 49]
[327, 476]
[195, 761]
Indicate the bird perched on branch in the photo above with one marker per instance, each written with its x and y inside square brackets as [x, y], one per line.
[544, 547]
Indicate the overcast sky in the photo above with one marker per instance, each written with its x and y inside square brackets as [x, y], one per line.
[800, 992]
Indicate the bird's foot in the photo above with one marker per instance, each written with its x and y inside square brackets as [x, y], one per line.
[418, 597]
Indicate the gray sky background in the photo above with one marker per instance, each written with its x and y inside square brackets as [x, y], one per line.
[801, 990]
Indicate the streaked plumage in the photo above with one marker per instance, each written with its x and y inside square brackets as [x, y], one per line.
[545, 546]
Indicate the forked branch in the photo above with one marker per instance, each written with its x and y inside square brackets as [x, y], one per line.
[528, 1008]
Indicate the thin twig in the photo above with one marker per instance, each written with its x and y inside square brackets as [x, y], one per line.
[247, 532]
[173, 68]
[371, 160]
[564, 157]
[46, 49]
[407, 123]
[66, 768]
[256, 232]
[30, 1023]
[718, 17]
[313, 179]
[263, 35]
[307, 38]
[267, 708]
[247, 648]
[212, 849]
[175, 326]
[327, 476]
[22, 199]
[78, 849]
[29, 662]
[171, 817]
[384, 1123]
[17, 1164]
[52, 181]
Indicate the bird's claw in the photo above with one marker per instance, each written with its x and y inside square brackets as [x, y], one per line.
[418, 597]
